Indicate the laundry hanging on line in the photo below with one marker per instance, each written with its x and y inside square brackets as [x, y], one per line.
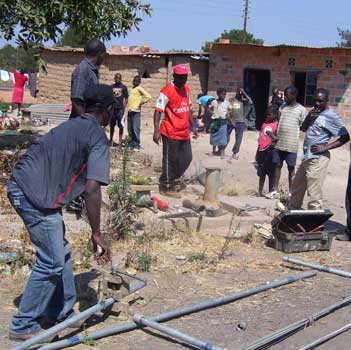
[4, 75]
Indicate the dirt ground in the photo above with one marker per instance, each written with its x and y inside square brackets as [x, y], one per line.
[174, 282]
[6, 96]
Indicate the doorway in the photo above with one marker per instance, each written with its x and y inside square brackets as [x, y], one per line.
[256, 84]
[306, 84]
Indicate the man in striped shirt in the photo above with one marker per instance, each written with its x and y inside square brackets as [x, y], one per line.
[292, 114]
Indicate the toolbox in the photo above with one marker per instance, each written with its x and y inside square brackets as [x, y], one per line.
[297, 231]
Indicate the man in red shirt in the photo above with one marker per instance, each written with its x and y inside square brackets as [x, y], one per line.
[174, 102]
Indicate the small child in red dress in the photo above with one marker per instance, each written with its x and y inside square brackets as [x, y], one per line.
[266, 140]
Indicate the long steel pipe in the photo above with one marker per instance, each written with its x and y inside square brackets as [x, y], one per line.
[283, 333]
[74, 319]
[177, 313]
[317, 267]
[141, 320]
[327, 337]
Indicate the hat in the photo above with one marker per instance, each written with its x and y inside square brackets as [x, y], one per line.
[99, 95]
[180, 69]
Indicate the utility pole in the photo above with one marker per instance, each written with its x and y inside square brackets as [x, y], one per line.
[246, 15]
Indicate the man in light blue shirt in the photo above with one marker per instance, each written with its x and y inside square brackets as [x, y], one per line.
[320, 125]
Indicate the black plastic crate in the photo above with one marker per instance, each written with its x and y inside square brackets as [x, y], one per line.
[302, 230]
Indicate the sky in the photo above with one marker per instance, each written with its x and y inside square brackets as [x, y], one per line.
[188, 24]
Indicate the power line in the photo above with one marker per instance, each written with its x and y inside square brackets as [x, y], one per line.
[246, 14]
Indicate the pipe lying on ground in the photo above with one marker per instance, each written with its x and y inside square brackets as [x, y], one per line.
[283, 333]
[176, 313]
[318, 267]
[141, 320]
[327, 337]
[79, 317]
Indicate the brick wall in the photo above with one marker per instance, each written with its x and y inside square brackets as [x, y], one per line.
[228, 61]
[55, 85]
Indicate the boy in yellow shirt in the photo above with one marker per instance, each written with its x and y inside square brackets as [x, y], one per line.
[137, 97]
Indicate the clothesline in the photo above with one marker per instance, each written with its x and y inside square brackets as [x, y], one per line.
[6, 76]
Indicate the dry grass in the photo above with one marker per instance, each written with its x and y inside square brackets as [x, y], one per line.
[232, 190]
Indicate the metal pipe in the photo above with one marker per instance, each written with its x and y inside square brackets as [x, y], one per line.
[318, 267]
[212, 184]
[283, 333]
[63, 325]
[81, 316]
[327, 337]
[141, 320]
[177, 313]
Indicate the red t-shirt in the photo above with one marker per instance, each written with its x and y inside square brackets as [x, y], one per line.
[264, 140]
[176, 104]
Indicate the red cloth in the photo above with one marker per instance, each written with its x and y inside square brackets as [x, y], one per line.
[264, 140]
[176, 104]
[18, 92]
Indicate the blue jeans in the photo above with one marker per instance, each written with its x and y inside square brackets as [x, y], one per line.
[239, 132]
[50, 293]
[134, 129]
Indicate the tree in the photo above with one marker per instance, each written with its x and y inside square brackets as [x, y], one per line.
[12, 58]
[236, 36]
[7, 57]
[72, 37]
[345, 36]
[40, 21]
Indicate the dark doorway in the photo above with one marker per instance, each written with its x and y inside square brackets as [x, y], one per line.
[306, 84]
[300, 84]
[256, 84]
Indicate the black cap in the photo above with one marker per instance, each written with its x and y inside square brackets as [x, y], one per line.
[98, 96]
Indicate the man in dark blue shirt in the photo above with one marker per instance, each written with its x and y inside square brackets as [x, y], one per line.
[86, 74]
[71, 160]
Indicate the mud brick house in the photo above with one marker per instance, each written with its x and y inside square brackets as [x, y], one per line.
[260, 68]
[155, 68]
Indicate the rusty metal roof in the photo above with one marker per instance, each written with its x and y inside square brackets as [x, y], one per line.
[285, 46]
[149, 54]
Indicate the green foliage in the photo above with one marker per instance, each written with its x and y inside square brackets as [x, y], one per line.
[12, 58]
[4, 106]
[143, 262]
[236, 36]
[86, 255]
[345, 36]
[88, 341]
[122, 201]
[40, 21]
[199, 256]
[72, 37]
[7, 57]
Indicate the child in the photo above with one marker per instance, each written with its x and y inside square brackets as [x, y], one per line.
[220, 110]
[137, 97]
[266, 140]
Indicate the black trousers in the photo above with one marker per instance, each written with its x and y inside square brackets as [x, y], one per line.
[177, 157]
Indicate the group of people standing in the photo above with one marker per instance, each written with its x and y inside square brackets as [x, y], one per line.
[222, 116]
[131, 101]
[73, 160]
[278, 142]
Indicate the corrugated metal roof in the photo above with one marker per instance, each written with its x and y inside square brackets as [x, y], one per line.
[284, 46]
[130, 53]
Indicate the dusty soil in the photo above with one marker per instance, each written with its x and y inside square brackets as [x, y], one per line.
[174, 283]
[6, 96]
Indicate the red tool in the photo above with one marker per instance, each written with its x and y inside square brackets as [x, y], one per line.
[318, 228]
[301, 227]
[161, 204]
